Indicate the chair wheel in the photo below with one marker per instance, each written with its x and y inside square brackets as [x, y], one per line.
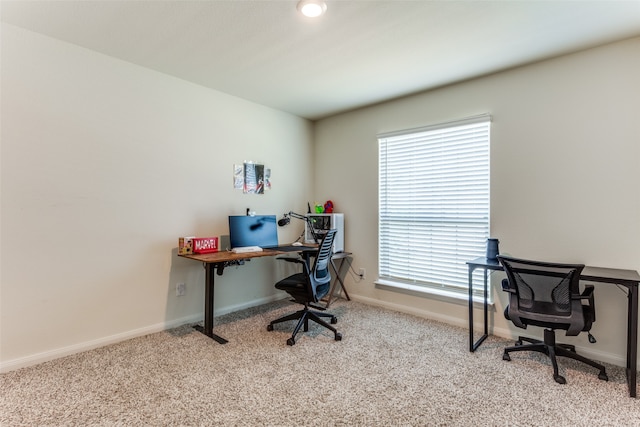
[603, 376]
[334, 320]
[338, 336]
[269, 327]
[519, 342]
[505, 356]
[291, 341]
[559, 379]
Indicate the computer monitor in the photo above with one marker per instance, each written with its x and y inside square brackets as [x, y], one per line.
[257, 230]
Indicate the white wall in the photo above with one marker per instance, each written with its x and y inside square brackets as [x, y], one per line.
[104, 165]
[565, 170]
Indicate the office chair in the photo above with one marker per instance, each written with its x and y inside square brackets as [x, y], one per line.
[309, 287]
[548, 295]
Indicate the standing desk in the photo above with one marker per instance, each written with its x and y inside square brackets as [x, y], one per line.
[627, 278]
[215, 263]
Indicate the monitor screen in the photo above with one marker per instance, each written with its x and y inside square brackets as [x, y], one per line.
[258, 230]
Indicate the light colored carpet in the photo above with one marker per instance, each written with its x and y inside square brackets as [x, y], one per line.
[390, 369]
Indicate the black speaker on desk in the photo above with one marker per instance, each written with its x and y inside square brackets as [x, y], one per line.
[492, 249]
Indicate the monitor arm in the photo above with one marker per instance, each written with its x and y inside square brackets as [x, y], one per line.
[286, 219]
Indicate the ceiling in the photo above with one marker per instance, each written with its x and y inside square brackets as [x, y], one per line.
[359, 53]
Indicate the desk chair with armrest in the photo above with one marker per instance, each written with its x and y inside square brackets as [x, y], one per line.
[548, 295]
[308, 288]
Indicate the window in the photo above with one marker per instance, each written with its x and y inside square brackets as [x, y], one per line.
[434, 205]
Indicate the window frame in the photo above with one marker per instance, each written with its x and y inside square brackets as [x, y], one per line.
[424, 282]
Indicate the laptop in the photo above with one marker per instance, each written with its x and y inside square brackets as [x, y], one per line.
[258, 231]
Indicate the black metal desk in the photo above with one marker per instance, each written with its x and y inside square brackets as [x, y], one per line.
[627, 278]
[344, 262]
[486, 265]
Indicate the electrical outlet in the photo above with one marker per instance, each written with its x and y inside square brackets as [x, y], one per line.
[362, 273]
[181, 289]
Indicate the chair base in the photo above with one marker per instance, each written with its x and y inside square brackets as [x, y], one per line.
[551, 349]
[303, 316]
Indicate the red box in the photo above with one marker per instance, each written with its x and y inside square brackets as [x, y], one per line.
[203, 245]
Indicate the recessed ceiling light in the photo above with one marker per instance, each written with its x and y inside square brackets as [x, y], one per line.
[312, 8]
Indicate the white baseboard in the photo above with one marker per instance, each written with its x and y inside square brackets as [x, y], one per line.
[606, 357]
[414, 311]
[231, 308]
[46, 356]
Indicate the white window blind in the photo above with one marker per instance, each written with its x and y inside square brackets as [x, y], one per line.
[434, 204]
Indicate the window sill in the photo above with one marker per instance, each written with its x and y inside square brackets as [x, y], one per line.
[435, 294]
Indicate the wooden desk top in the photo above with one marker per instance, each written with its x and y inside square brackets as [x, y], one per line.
[226, 256]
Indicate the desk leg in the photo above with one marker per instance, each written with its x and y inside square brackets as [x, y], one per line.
[338, 280]
[486, 304]
[632, 339]
[208, 304]
[473, 346]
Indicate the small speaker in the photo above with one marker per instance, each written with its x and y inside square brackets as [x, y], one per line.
[492, 249]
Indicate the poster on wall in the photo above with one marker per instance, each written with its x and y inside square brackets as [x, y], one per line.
[251, 178]
[238, 177]
[267, 179]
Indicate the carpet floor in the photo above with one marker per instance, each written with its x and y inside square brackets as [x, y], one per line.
[390, 369]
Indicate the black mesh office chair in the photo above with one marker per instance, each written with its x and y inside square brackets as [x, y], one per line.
[548, 295]
[310, 287]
